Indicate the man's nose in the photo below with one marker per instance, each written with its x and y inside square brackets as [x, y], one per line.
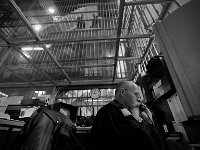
[139, 100]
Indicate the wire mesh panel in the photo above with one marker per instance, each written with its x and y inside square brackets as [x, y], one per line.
[18, 65]
[2, 43]
[74, 40]
[14, 30]
[41, 59]
[54, 20]
[86, 59]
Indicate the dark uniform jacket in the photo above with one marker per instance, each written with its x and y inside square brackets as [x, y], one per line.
[112, 130]
[48, 130]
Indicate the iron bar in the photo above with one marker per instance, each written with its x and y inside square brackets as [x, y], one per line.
[62, 84]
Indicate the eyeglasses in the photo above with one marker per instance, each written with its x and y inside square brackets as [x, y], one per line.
[137, 94]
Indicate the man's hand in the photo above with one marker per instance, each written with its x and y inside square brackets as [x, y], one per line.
[146, 114]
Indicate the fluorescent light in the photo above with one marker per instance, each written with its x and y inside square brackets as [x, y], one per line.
[30, 48]
[27, 48]
[37, 27]
[37, 48]
[51, 10]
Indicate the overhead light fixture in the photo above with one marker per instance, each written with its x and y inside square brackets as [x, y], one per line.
[37, 27]
[27, 48]
[51, 10]
[30, 48]
[38, 48]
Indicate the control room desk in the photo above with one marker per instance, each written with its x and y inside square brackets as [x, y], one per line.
[8, 132]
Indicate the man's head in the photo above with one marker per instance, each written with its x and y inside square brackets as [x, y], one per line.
[67, 110]
[129, 94]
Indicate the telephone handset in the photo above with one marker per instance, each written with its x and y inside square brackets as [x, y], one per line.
[142, 108]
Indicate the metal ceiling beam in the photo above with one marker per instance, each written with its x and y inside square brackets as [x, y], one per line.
[119, 22]
[16, 49]
[74, 84]
[130, 58]
[26, 43]
[72, 67]
[87, 66]
[144, 2]
[104, 38]
[88, 59]
[21, 85]
[30, 28]
[91, 59]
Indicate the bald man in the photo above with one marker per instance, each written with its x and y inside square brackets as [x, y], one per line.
[121, 125]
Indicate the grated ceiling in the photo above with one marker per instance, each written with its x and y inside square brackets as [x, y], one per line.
[76, 42]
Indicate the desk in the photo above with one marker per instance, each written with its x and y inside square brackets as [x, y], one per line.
[11, 123]
[82, 134]
[83, 129]
[9, 130]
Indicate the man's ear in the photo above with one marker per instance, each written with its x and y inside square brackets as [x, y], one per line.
[122, 92]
